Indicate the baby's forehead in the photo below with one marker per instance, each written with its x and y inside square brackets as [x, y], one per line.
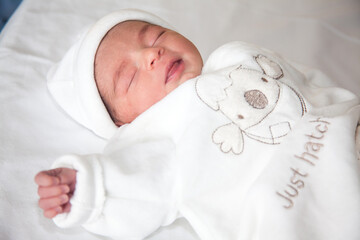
[119, 31]
[125, 26]
[122, 30]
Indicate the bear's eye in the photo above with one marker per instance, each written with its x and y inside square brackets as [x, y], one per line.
[264, 80]
[240, 116]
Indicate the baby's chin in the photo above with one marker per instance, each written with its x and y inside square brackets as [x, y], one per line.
[175, 84]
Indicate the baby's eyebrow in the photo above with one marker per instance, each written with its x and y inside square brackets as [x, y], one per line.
[143, 31]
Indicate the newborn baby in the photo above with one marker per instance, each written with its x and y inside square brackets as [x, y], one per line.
[244, 146]
[136, 65]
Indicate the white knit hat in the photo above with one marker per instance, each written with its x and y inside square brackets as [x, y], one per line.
[71, 82]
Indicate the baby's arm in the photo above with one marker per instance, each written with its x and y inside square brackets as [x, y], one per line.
[125, 193]
[56, 186]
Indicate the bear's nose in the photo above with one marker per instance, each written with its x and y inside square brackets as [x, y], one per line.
[256, 99]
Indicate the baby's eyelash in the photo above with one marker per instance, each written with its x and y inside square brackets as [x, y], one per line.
[131, 80]
[160, 34]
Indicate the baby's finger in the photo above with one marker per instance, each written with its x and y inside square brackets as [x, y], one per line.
[53, 191]
[51, 213]
[66, 208]
[49, 203]
[45, 179]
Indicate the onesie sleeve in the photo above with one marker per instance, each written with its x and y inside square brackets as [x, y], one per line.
[126, 193]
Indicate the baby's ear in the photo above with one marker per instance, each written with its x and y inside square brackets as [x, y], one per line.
[270, 68]
[211, 89]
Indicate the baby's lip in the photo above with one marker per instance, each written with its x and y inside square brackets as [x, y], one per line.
[174, 69]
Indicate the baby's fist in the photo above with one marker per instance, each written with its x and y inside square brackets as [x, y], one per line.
[56, 186]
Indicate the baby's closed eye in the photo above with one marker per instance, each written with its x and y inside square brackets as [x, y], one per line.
[158, 37]
[127, 78]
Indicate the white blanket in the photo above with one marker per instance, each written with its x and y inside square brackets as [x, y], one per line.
[251, 149]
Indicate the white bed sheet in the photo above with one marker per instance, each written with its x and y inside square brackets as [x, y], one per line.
[324, 34]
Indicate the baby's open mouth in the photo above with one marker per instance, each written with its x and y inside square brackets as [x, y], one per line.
[174, 69]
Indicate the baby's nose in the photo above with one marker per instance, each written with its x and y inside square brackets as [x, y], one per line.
[256, 99]
[151, 56]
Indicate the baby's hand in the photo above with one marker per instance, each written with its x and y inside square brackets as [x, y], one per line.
[55, 189]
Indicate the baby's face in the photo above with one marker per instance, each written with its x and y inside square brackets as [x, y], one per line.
[137, 64]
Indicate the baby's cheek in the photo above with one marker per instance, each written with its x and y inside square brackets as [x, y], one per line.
[149, 99]
[188, 75]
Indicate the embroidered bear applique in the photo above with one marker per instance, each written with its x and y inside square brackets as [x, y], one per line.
[247, 97]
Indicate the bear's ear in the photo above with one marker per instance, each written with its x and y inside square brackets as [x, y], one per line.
[270, 68]
[211, 89]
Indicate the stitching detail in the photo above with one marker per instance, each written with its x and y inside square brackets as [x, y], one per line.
[256, 99]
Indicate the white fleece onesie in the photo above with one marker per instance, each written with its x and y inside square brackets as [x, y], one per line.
[251, 149]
